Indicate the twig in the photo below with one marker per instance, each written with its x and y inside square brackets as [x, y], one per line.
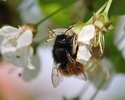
[99, 87]
[55, 12]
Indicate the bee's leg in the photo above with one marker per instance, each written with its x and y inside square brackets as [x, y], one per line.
[82, 76]
[70, 58]
[85, 76]
[74, 45]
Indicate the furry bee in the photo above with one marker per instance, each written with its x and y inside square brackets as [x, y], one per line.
[64, 54]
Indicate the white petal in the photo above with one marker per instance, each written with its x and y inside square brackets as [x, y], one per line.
[86, 34]
[29, 64]
[16, 41]
[7, 39]
[15, 46]
[98, 72]
[7, 46]
[8, 30]
[83, 54]
[25, 39]
[18, 58]
[28, 74]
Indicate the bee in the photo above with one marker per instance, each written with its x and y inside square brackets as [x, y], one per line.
[64, 54]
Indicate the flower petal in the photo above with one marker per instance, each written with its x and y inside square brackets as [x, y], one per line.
[15, 46]
[18, 57]
[8, 30]
[25, 39]
[83, 54]
[29, 75]
[7, 45]
[29, 64]
[86, 34]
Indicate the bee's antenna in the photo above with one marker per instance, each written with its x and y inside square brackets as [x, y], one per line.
[68, 29]
[51, 30]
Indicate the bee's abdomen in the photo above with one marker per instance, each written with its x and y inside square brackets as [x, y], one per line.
[72, 69]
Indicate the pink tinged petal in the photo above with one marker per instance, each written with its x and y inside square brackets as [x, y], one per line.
[15, 46]
[83, 54]
[12, 43]
[25, 39]
[86, 34]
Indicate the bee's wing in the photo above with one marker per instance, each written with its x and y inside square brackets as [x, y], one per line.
[56, 76]
[82, 76]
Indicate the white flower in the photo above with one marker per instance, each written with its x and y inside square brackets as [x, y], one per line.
[98, 71]
[84, 39]
[15, 46]
[86, 34]
[83, 54]
[29, 75]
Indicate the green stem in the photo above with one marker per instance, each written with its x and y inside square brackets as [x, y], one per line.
[98, 12]
[82, 91]
[36, 44]
[99, 87]
[107, 7]
[55, 12]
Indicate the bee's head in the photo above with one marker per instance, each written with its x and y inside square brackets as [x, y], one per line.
[63, 39]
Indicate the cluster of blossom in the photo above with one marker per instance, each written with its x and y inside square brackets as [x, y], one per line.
[90, 37]
[90, 41]
[15, 45]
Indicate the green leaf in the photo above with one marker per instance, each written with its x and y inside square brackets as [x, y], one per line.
[62, 18]
[61, 2]
[98, 3]
[117, 7]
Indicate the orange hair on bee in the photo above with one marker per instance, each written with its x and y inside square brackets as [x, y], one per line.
[72, 69]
